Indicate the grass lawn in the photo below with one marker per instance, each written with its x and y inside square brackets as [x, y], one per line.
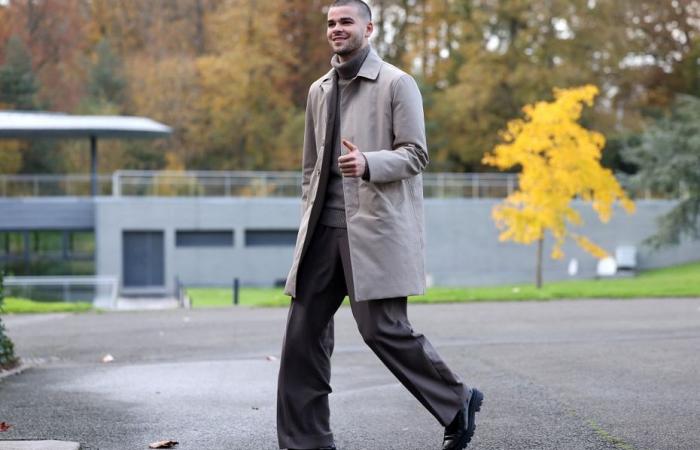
[677, 281]
[216, 298]
[13, 305]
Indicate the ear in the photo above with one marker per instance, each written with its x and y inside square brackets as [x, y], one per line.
[369, 29]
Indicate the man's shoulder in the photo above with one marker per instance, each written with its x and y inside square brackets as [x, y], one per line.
[391, 72]
[376, 69]
[316, 85]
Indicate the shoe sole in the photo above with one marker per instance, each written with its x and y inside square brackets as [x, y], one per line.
[474, 407]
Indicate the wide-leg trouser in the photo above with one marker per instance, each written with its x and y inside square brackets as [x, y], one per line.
[324, 278]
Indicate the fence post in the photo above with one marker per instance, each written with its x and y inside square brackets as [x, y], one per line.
[66, 292]
[178, 292]
[236, 288]
[116, 191]
[510, 184]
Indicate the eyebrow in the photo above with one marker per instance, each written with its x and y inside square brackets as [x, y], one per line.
[341, 19]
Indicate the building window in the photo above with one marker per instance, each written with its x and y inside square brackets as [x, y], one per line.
[46, 244]
[204, 238]
[12, 244]
[81, 243]
[47, 252]
[273, 238]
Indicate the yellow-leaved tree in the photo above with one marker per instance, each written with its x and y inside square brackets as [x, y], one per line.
[560, 162]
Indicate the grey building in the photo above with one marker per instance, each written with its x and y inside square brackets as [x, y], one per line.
[149, 241]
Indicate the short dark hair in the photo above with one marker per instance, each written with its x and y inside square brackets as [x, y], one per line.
[362, 6]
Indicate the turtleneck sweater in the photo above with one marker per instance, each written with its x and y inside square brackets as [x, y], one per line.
[333, 214]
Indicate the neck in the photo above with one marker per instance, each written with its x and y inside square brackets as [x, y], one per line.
[350, 65]
[349, 56]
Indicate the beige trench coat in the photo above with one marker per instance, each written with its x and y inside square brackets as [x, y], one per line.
[382, 113]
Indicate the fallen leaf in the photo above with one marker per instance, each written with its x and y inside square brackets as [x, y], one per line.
[163, 444]
[4, 426]
[107, 358]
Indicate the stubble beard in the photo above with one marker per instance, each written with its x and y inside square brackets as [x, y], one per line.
[352, 45]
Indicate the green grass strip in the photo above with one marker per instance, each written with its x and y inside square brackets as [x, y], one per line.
[15, 305]
[677, 281]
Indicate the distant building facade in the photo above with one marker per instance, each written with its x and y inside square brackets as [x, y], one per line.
[150, 243]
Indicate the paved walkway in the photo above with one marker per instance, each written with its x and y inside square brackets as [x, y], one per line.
[557, 375]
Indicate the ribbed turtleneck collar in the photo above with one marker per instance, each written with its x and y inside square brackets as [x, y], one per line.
[349, 69]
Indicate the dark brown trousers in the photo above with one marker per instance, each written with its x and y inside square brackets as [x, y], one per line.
[303, 415]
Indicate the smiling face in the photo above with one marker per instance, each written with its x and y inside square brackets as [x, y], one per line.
[348, 31]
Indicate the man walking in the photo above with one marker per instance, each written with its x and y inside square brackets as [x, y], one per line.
[361, 235]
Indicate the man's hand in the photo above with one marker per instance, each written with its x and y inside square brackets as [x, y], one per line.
[353, 163]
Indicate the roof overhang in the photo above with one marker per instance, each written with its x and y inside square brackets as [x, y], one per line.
[36, 125]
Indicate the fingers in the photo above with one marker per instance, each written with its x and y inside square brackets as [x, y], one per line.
[347, 168]
[352, 164]
[350, 146]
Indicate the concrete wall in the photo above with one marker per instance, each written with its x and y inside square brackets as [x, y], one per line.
[64, 213]
[463, 247]
[192, 265]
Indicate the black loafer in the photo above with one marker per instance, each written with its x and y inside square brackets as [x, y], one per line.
[461, 430]
[332, 447]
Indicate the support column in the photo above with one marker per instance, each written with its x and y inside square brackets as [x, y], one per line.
[93, 166]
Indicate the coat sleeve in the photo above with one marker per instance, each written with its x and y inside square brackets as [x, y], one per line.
[409, 155]
[309, 154]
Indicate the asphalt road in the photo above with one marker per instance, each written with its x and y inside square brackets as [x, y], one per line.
[559, 375]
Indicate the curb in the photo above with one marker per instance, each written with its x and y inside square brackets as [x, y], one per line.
[21, 367]
[39, 445]
[27, 444]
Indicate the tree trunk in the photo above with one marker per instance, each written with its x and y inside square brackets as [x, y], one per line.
[538, 275]
[199, 28]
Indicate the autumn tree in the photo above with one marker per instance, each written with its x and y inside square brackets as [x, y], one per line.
[504, 53]
[233, 86]
[667, 158]
[244, 106]
[304, 22]
[560, 162]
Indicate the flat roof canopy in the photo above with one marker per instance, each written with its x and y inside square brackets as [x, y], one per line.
[40, 125]
[35, 125]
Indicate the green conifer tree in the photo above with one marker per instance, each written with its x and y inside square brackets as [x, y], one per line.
[18, 84]
[667, 157]
[7, 352]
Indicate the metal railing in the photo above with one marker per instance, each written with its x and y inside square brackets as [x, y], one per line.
[77, 185]
[206, 184]
[288, 184]
[142, 183]
[99, 290]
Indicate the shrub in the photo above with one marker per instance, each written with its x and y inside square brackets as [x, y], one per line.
[7, 350]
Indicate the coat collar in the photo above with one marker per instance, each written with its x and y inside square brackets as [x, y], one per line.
[370, 70]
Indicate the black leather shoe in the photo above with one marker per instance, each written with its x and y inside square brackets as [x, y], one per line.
[461, 430]
[332, 447]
